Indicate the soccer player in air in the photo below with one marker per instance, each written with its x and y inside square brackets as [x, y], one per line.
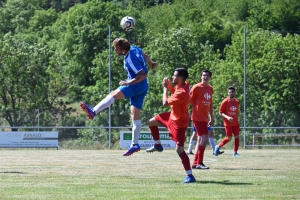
[135, 88]
[177, 120]
[201, 100]
[229, 110]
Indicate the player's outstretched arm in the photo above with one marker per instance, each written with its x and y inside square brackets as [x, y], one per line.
[149, 61]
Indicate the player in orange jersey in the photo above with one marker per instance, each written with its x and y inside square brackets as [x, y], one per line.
[201, 100]
[229, 110]
[177, 120]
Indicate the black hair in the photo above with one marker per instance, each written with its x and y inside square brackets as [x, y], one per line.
[231, 88]
[183, 73]
[207, 71]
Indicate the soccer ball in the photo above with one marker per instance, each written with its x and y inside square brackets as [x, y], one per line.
[127, 23]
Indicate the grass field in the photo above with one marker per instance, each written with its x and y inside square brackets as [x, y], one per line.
[106, 174]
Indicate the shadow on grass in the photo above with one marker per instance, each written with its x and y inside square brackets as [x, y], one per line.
[255, 169]
[217, 182]
[13, 173]
[226, 182]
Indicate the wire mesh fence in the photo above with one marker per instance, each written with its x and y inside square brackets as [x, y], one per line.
[75, 131]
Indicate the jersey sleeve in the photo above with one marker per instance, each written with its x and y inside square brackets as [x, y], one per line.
[192, 95]
[223, 107]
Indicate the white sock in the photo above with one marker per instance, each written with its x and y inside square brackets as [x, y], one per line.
[188, 172]
[136, 129]
[212, 143]
[157, 141]
[191, 145]
[106, 102]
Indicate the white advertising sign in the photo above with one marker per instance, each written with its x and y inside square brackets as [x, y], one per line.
[28, 139]
[146, 139]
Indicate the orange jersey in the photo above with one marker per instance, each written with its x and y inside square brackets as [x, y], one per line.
[179, 102]
[201, 99]
[230, 108]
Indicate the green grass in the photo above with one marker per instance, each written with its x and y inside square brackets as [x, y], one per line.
[106, 174]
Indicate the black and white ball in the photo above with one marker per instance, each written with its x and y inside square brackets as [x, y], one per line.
[127, 23]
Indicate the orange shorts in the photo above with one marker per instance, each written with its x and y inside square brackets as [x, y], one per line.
[235, 130]
[176, 134]
[201, 127]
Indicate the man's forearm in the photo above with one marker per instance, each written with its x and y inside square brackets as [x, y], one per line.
[148, 59]
[165, 97]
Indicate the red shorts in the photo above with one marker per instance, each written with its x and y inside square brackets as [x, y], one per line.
[175, 133]
[235, 130]
[201, 127]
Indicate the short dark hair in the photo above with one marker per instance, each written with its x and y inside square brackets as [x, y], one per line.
[207, 71]
[183, 73]
[122, 43]
[231, 88]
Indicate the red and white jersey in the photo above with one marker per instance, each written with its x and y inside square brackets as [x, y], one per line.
[230, 108]
[201, 99]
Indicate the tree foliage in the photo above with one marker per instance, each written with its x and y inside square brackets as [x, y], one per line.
[55, 52]
[29, 82]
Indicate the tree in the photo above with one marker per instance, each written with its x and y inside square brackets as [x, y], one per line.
[272, 77]
[41, 19]
[79, 35]
[15, 15]
[29, 82]
[175, 48]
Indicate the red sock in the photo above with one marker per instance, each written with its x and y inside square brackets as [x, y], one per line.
[200, 154]
[185, 161]
[236, 144]
[195, 158]
[154, 132]
[224, 141]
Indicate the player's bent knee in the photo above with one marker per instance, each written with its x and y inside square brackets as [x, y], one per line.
[179, 149]
[153, 122]
[117, 94]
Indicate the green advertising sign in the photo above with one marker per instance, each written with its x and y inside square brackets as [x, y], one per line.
[146, 136]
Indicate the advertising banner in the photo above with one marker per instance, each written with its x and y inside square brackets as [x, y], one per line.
[146, 140]
[28, 139]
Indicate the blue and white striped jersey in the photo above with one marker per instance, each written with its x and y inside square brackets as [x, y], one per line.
[134, 61]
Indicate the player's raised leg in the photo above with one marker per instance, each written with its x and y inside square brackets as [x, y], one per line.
[105, 103]
[153, 126]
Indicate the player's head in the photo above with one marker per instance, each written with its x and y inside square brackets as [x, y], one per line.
[205, 75]
[180, 75]
[231, 91]
[121, 45]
